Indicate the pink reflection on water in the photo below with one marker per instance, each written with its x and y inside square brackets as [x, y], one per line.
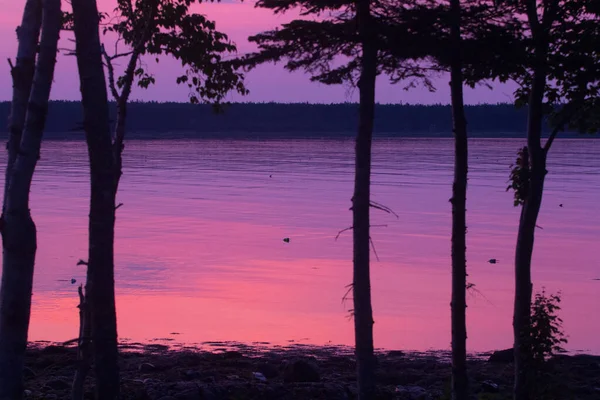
[200, 247]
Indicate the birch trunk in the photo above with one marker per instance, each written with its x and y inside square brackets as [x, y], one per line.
[100, 290]
[363, 312]
[459, 223]
[28, 34]
[19, 231]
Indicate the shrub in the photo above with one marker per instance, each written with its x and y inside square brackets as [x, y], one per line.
[547, 336]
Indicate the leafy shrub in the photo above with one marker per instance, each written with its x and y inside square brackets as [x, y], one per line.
[547, 336]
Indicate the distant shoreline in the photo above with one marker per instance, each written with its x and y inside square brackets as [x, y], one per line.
[167, 121]
[251, 136]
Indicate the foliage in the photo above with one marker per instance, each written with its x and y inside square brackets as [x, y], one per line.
[168, 27]
[547, 336]
[519, 177]
[567, 35]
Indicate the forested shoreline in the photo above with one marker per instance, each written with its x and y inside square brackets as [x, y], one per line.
[151, 120]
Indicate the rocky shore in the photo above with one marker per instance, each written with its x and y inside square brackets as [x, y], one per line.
[229, 371]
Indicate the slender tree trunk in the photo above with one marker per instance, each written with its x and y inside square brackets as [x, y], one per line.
[459, 224]
[527, 226]
[28, 34]
[19, 232]
[100, 290]
[363, 313]
[84, 356]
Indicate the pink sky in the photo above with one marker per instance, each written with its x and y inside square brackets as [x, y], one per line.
[267, 83]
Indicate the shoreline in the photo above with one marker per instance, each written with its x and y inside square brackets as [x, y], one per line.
[236, 371]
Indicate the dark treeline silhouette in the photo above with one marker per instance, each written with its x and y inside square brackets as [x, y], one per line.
[168, 120]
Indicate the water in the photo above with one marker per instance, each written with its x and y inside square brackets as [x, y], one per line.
[200, 250]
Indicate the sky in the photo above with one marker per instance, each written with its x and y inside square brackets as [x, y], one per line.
[268, 83]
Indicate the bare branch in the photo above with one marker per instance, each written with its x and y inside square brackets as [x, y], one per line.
[10, 63]
[119, 55]
[118, 206]
[342, 231]
[111, 75]
[373, 246]
[383, 208]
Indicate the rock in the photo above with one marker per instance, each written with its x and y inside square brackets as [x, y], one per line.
[50, 397]
[259, 376]
[58, 384]
[502, 356]
[147, 367]
[301, 371]
[268, 370]
[395, 353]
[413, 393]
[167, 398]
[28, 393]
[190, 374]
[489, 386]
[232, 355]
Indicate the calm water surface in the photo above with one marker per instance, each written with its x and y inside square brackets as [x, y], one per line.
[200, 247]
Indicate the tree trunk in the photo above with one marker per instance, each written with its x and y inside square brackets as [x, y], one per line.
[84, 356]
[100, 290]
[19, 232]
[363, 313]
[527, 226]
[459, 224]
[28, 34]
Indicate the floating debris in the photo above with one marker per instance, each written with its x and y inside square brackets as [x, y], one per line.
[493, 261]
[287, 240]
[73, 281]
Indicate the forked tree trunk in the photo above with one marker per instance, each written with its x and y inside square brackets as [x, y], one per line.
[459, 224]
[531, 206]
[100, 290]
[19, 232]
[363, 312]
[525, 240]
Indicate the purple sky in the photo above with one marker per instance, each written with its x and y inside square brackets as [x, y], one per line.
[266, 83]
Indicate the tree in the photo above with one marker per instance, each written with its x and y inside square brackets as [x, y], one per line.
[361, 203]
[157, 27]
[559, 80]
[314, 46]
[100, 274]
[31, 91]
[459, 204]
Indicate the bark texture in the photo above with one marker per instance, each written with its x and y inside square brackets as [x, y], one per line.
[533, 201]
[459, 223]
[100, 289]
[19, 231]
[363, 312]
[28, 35]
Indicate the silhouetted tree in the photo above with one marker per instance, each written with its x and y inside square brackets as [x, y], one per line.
[361, 203]
[100, 272]
[560, 78]
[31, 90]
[459, 204]
[154, 28]
[314, 46]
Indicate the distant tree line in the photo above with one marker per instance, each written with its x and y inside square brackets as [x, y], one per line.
[166, 120]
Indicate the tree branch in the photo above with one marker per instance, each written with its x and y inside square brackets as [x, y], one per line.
[551, 138]
[119, 55]
[111, 75]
